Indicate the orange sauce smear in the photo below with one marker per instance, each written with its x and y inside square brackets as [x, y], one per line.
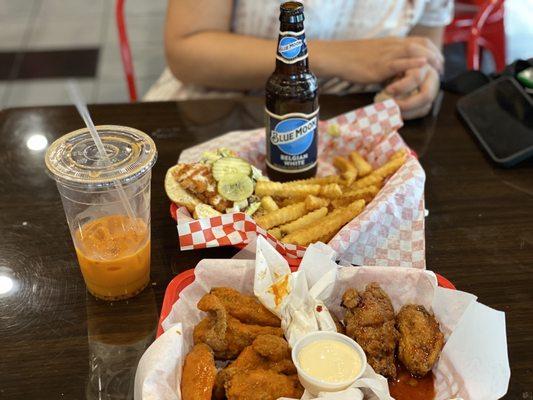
[406, 387]
[114, 256]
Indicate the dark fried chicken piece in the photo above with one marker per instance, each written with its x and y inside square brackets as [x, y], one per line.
[198, 179]
[421, 340]
[246, 309]
[262, 384]
[338, 324]
[370, 322]
[227, 336]
[266, 352]
[199, 372]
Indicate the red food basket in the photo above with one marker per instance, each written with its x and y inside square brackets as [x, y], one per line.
[181, 281]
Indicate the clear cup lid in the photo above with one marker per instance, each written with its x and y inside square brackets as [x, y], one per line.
[73, 159]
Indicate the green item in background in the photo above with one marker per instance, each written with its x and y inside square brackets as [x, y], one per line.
[526, 77]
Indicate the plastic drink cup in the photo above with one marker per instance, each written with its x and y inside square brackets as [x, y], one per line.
[113, 248]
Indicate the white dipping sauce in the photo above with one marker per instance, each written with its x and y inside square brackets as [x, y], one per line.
[330, 361]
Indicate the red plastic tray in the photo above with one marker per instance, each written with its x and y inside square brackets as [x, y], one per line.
[181, 281]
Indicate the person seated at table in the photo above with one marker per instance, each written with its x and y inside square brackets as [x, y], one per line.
[219, 47]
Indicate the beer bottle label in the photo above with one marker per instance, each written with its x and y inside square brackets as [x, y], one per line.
[292, 141]
[292, 47]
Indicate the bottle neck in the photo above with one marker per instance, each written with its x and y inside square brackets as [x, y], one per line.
[291, 57]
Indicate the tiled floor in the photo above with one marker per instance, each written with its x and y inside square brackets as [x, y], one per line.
[29, 25]
[81, 24]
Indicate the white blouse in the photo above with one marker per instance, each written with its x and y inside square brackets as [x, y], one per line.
[324, 19]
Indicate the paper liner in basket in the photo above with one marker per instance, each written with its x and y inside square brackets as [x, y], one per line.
[390, 231]
[473, 364]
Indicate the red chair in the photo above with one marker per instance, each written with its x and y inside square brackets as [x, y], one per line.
[125, 51]
[479, 23]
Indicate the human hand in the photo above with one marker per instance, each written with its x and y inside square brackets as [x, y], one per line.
[415, 91]
[376, 60]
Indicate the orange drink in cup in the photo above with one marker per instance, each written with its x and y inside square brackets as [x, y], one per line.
[112, 243]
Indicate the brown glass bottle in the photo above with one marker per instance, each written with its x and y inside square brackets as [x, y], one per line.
[291, 103]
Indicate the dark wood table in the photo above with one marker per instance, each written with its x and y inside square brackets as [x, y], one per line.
[56, 341]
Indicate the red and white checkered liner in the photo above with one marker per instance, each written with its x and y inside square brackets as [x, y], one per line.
[390, 231]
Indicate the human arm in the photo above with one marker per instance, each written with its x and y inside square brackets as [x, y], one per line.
[201, 49]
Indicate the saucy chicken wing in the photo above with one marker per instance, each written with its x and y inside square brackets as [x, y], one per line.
[198, 375]
[370, 322]
[227, 336]
[260, 384]
[421, 340]
[266, 352]
[246, 309]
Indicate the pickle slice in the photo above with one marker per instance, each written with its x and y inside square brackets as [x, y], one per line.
[229, 166]
[205, 211]
[236, 187]
[252, 208]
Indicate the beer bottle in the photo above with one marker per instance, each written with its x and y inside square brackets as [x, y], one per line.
[291, 103]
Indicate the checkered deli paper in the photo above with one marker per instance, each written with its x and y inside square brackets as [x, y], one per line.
[390, 230]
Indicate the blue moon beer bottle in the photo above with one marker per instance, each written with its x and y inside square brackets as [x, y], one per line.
[291, 103]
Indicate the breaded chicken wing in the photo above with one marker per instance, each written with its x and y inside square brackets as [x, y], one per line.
[263, 385]
[370, 322]
[266, 352]
[421, 340]
[227, 336]
[198, 375]
[246, 309]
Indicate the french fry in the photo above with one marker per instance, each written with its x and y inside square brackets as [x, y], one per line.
[326, 225]
[268, 188]
[340, 202]
[313, 202]
[302, 222]
[288, 201]
[378, 175]
[282, 215]
[349, 172]
[327, 238]
[269, 204]
[330, 191]
[276, 232]
[362, 166]
[324, 180]
[369, 180]
[400, 153]
[391, 166]
[367, 193]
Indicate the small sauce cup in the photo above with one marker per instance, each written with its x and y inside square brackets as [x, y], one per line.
[315, 385]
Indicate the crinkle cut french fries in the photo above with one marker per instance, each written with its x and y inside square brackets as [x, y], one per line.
[309, 210]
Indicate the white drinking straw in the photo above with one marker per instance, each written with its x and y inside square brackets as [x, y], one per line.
[78, 101]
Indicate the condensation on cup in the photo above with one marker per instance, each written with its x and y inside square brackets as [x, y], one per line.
[113, 247]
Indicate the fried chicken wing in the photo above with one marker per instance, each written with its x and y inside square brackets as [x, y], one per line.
[263, 385]
[226, 335]
[266, 352]
[338, 324]
[246, 309]
[273, 348]
[370, 322]
[198, 375]
[421, 340]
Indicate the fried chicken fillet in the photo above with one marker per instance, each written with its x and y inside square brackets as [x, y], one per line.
[421, 340]
[266, 352]
[198, 179]
[198, 375]
[227, 336]
[370, 322]
[261, 384]
[246, 309]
